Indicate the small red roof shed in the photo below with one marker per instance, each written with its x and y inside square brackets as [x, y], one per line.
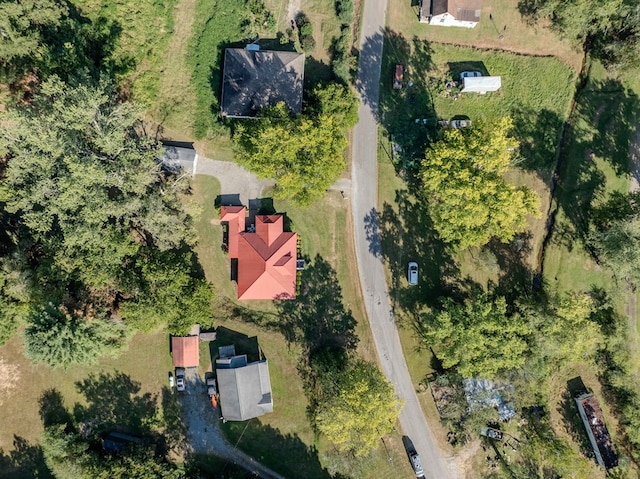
[185, 352]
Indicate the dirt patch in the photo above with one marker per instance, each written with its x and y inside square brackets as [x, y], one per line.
[9, 379]
[463, 464]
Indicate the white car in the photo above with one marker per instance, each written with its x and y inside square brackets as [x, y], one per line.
[459, 123]
[416, 464]
[180, 384]
[470, 74]
[412, 273]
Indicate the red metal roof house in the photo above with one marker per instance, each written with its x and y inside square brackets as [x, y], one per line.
[266, 255]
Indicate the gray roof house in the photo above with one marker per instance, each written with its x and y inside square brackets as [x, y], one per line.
[245, 388]
[253, 79]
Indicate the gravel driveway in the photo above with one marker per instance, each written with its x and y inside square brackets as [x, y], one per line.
[204, 434]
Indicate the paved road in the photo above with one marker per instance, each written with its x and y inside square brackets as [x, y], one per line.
[364, 202]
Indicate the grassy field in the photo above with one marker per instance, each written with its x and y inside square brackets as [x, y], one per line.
[146, 361]
[145, 30]
[498, 18]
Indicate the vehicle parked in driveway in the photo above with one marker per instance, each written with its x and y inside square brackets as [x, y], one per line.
[412, 273]
[180, 384]
[398, 76]
[416, 464]
[468, 74]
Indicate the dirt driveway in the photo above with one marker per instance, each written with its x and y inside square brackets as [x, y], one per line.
[203, 429]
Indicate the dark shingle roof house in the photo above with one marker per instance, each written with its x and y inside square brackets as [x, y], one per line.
[245, 388]
[254, 79]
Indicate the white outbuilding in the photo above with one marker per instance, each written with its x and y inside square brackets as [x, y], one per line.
[481, 84]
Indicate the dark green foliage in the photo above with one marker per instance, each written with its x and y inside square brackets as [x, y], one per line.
[61, 339]
[165, 292]
[609, 31]
[342, 61]
[50, 37]
[616, 235]
[100, 224]
[305, 32]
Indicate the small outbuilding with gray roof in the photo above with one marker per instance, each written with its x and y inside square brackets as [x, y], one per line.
[253, 79]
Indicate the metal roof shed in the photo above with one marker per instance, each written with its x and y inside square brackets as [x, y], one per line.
[481, 84]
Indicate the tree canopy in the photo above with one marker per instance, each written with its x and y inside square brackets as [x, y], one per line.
[61, 339]
[618, 246]
[470, 201]
[478, 337]
[361, 408]
[101, 227]
[305, 154]
[50, 37]
[609, 30]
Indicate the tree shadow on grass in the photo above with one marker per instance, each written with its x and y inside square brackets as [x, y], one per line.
[317, 318]
[539, 134]
[52, 409]
[573, 424]
[114, 399]
[25, 461]
[515, 278]
[407, 234]
[602, 130]
[267, 444]
[407, 114]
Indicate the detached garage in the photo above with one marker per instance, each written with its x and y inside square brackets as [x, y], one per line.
[185, 351]
[481, 84]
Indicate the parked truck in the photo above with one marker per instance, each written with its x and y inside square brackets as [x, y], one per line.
[416, 464]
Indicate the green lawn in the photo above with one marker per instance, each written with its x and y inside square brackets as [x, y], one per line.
[146, 361]
[145, 28]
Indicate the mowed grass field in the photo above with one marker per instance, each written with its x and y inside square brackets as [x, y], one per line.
[501, 27]
[146, 362]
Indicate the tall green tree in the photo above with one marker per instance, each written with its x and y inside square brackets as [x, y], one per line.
[618, 246]
[61, 339]
[360, 410]
[164, 291]
[305, 154]
[608, 30]
[469, 199]
[86, 183]
[46, 37]
[478, 337]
